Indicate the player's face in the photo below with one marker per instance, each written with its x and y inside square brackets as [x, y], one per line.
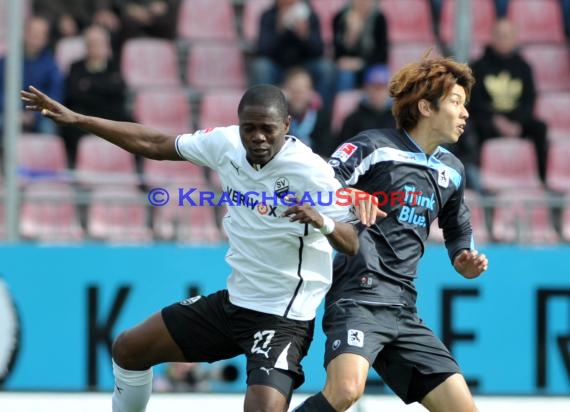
[262, 131]
[450, 120]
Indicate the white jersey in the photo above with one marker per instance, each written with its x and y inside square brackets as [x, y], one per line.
[278, 267]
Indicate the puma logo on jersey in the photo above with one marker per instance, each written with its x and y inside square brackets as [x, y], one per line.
[235, 167]
[267, 370]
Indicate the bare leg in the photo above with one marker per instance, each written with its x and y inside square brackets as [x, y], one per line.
[261, 398]
[346, 379]
[452, 395]
[147, 344]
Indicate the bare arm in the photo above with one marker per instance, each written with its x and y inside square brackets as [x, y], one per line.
[133, 137]
[343, 238]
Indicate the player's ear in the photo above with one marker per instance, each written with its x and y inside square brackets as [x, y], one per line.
[425, 108]
[287, 123]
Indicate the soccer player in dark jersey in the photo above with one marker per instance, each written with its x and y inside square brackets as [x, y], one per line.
[370, 316]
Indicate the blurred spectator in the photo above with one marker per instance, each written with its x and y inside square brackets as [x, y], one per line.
[182, 377]
[40, 70]
[375, 109]
[501, 7]
[360, 36]
[94, 87]
[310, 122]
[503, 98]
[565, 4]
[194, 377]
[290, 35]
[148, 18]
[70, 17]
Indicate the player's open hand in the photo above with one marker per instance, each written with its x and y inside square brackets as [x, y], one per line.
[470, 263]
[365, 207]
[39, 102]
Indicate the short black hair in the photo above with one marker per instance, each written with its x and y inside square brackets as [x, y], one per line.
[265, 95]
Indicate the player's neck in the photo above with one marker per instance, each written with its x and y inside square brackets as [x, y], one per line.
[424, 139]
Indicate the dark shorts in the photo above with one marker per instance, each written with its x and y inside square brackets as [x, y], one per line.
[210, 328]
[401, 349]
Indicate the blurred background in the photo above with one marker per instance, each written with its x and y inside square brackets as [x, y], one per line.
[84, 255]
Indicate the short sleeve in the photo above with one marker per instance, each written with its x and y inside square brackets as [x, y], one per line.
[206, 147]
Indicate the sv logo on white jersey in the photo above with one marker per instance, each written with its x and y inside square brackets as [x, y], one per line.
[262, 341]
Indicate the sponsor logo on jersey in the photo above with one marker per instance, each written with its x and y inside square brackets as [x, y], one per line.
[281, 186]
[336, 344]
[344, 152]
[443, 178]
[365, 282]
[262, 209]
[355, 338]
[414, 211]
[190, 301]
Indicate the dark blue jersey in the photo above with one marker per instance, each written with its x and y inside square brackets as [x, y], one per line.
[414, 189]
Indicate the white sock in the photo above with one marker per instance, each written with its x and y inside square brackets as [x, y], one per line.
[132, 389]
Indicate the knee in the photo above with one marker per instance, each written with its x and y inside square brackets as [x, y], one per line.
[344, 392]
[122, 352]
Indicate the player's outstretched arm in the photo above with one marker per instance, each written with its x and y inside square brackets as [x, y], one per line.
[342, 236]
[470, 264]
[133, 137]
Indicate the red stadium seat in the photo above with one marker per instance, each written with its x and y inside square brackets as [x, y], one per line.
[167, 110]
[508, 163]
[202, 20]
[219, 108]
[482, 20]
[405, 53]
[41, 156]
[69, 50]
[480, 232]
[100, 162]
[538, 21]
[523, 216]
[344, 103]
[215, 65]
[552, 107]
[182, 174]
[48, 213]
[408, 20]
[551, 66]
[478, 223]
[326, 10]
[252, 11]
[187, 224]
[148, 62]
[118, 215]
[558, 166]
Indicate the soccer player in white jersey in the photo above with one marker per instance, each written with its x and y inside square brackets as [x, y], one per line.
[280, 252]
